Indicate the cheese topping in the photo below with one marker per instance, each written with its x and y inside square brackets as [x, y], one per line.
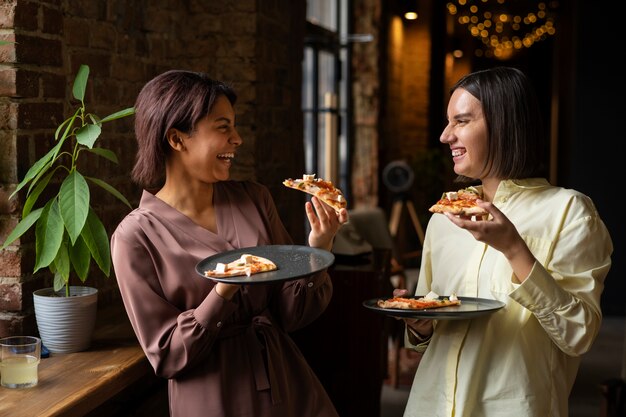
[431, 296]
[452, 195]
[221, 268]
[246, 259]
[308, 177]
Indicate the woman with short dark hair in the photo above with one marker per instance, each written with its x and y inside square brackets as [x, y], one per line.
[224, 348]
[544, 252]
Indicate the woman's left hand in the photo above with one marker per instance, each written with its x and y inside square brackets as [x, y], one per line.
[500, 233]
[325, 222]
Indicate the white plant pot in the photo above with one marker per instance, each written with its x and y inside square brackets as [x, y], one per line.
[66, 323]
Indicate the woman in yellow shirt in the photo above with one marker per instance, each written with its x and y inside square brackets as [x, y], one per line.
[544, 252]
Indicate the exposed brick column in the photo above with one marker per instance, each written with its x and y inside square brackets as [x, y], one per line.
[31, 102]
[366, 97]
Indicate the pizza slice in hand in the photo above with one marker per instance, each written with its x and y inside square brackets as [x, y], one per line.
[324, 190]
[461, 202]
[245, 265]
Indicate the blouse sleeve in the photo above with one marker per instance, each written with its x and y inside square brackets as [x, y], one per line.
[172, 340]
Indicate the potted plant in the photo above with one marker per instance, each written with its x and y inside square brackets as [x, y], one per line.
[68, 232]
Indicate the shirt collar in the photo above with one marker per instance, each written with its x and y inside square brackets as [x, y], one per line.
[506, 188]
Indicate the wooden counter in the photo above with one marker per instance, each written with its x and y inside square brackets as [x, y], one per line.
[74, 384]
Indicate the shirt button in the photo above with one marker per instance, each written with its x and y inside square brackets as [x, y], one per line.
[310, 284]
[219, 324]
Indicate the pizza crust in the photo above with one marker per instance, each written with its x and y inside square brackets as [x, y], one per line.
[421, 303]
[464, 211]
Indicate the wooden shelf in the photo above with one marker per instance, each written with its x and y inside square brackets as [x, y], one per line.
[74, 384]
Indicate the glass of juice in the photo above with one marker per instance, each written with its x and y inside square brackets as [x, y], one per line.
[19, 360]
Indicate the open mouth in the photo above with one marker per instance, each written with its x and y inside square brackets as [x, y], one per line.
[457, 152]
[226, 156]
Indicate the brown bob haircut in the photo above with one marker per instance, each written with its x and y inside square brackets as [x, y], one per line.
[175, 99]
[516, 136]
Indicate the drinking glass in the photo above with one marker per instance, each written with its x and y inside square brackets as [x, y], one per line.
[19, 360]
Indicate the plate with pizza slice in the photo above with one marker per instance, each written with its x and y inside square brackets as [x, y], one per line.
[439, 308]
[264, 264]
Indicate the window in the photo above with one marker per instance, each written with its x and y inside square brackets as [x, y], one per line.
[325, 92]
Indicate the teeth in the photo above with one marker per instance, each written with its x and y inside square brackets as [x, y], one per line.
[228, 155]
[457, 152]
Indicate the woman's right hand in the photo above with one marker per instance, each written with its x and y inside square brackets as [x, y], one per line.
[226, 291]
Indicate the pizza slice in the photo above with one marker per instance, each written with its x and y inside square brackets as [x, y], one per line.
[461, 202]
[427, 302]
[245, 265]
[324, 190]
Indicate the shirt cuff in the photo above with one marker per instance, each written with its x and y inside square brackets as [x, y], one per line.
[418, 342]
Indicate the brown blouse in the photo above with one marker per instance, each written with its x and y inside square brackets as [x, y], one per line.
[222, 358]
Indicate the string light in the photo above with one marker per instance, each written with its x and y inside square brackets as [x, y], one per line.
[502, 27]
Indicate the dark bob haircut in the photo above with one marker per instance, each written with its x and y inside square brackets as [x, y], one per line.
[175, 99]
[517, 140]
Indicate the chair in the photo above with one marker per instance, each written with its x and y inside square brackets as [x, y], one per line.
[371, 223]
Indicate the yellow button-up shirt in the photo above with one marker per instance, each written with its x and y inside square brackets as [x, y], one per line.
[521, 360]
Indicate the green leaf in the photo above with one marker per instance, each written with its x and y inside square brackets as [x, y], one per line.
[74, 204]
[59, 282]
[119, 114]
[67, 128]
[106, 153]
[94, 119]
[41, 174]
[80, 258]
[40, 165]
[62, 262]
[34, 195]
[80, 83]
[110, 189]
[22, 227]
[49, 234]
[88, 134]
[97, 241]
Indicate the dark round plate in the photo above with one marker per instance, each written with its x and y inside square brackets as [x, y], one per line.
[293, 261]
[470, 307]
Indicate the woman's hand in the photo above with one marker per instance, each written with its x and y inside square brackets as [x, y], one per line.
[226, 291]
[499, 233]
[324, 223]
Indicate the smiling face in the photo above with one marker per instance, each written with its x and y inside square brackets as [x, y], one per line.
[467, 135]
[208, 151]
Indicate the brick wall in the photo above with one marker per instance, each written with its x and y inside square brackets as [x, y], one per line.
[126, 43]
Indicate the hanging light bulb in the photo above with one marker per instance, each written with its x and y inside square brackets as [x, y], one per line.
[502, 26]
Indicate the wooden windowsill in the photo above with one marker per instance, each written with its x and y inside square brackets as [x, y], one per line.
[73, 384]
